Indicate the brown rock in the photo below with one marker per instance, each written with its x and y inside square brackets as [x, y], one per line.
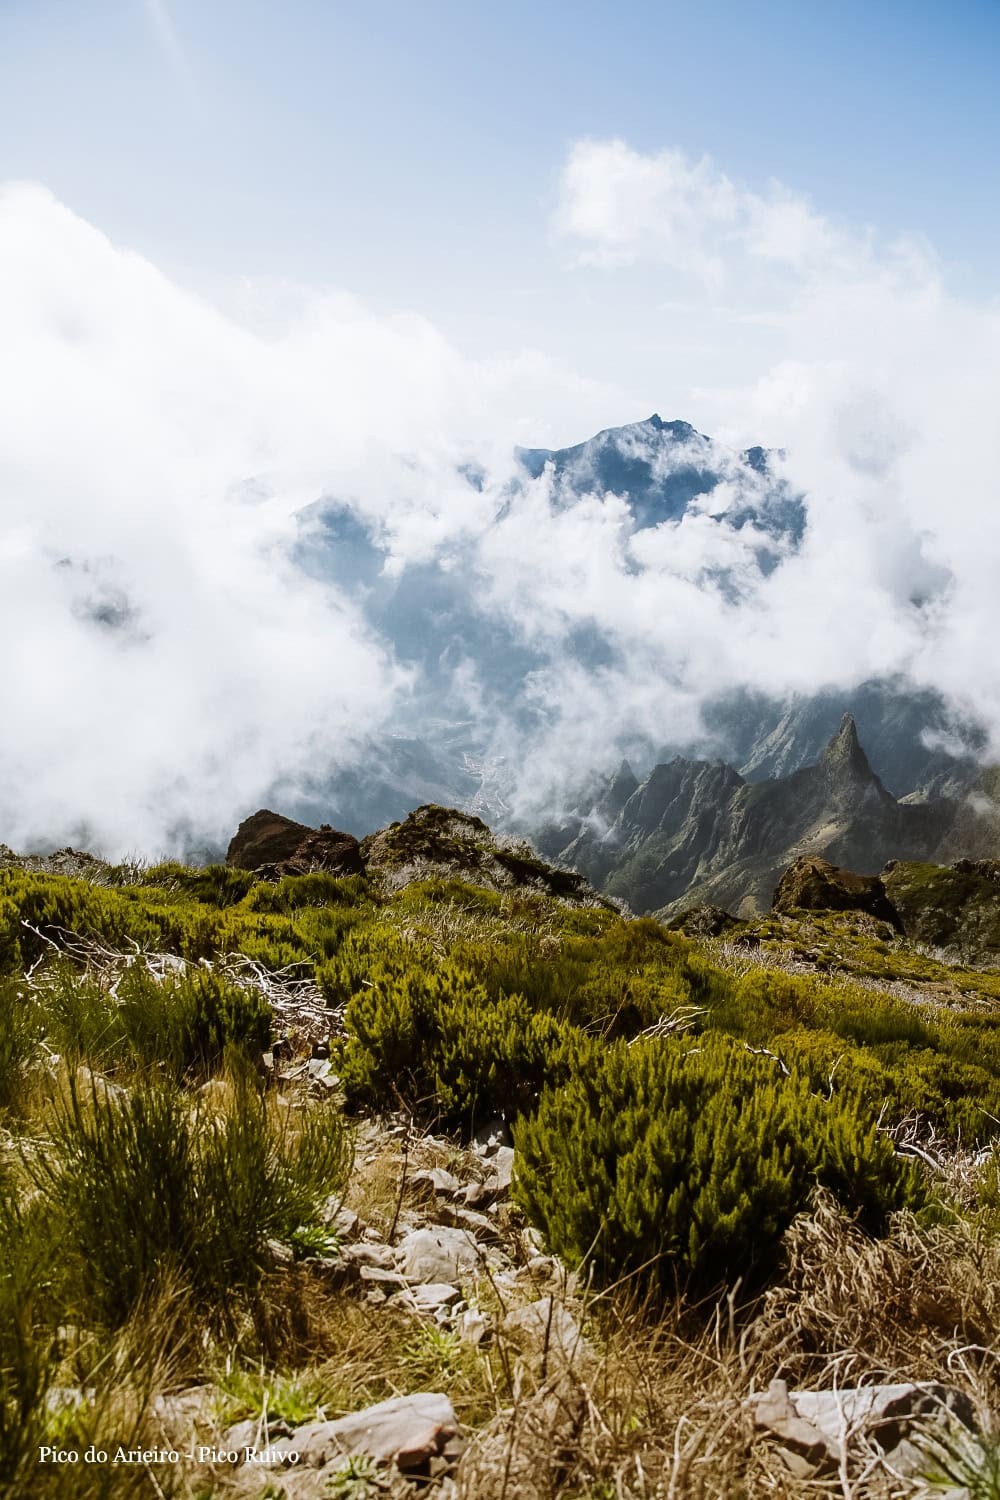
[265, 839]
[274, 846]
[813, 884]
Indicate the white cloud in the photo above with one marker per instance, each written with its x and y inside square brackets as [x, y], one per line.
[166, 659]
[621, 206]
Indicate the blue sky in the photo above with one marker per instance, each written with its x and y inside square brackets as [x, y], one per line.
[411, 153]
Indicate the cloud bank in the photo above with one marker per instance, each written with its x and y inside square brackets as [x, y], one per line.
[168, 658]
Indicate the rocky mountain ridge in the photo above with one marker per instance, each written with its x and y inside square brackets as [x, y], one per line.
[697, 832]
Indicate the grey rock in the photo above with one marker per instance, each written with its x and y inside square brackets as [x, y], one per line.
[475, 1326]
[496, 1179]
[366, 1254]
[445, 1184]
[477, 1224]
[539, 1268]
[428, 1296]
[335, 1271]
[547, 1326]
[251, 1433]
[280, 1254]
[407, 1431]
[377, 1276]
[501, 1170]
[440, 1254]
[810, 1426]
[341, 1221]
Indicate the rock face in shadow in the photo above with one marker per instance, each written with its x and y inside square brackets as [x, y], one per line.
[274, 846]
[813, 884]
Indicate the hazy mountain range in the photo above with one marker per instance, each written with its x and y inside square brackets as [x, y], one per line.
[472, 746]
[696, 831]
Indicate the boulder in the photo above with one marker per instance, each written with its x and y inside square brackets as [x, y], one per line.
[811, 1427]
[813, 884]
[407, 1430]
[443, 841]
[440, 1254]
[439, 1181]
[274, 846]
[547, 1327]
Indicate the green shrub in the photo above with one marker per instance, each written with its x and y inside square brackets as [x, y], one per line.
[213, 885]
[191, 1022]
[27, 1362]
[20, 1033]
[685, 1165]
[615, 981]
[437, 1044]
[297, 891]
[39, 912]
[960, 1099]
[184, 1023]
[141, 1185]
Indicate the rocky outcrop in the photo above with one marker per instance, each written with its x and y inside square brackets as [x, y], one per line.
[433, 842]
[813, 884]
[264, 839]
[811, 1428]
[955, 908]
[439, 841]
[274, 846]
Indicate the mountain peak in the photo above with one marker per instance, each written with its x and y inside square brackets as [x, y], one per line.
[844, 753]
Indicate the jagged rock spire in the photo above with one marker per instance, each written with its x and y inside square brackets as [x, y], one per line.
[845, 754]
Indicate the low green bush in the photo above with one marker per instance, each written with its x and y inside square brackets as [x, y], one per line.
[437, 1043]
[21, 1030]
[213, 885]
[684, 1165]
[144, 1184]
[295, 892]
[185, 1023]
[959, 1099]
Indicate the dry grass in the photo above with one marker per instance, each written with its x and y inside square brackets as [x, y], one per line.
[651, 1406]
[660, 1414]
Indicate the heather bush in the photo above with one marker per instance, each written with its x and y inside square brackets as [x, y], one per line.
[184, 1022]
[212, 885]
[684, 1165]
[436, 1043]
[143, 1184]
